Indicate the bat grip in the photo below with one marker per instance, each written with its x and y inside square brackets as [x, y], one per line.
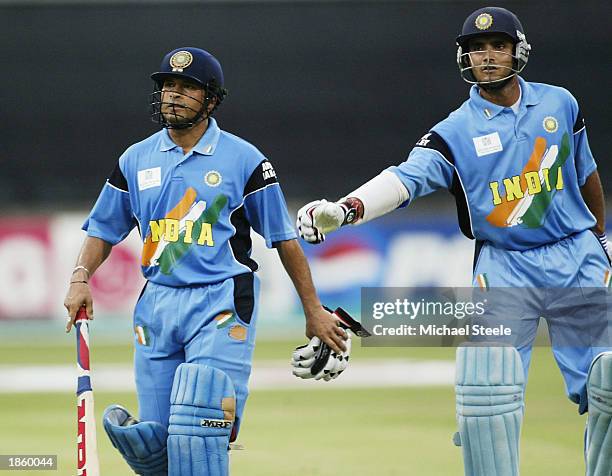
[81, 315]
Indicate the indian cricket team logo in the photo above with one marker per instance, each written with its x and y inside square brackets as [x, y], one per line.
[484, 21]
[213, 178]
[180, 60]
[550, 124]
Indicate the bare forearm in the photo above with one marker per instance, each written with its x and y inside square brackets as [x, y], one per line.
[592, 193]
[93, 253]
[294, 261]
[319, 322]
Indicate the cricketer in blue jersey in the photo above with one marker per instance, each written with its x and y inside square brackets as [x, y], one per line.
[516, 157]
[194, 192]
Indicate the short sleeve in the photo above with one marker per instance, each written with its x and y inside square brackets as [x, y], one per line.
[111, 219]
[585, 162]
[429, 167]
[265, 206]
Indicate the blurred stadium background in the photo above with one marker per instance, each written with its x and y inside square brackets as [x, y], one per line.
[332, 92]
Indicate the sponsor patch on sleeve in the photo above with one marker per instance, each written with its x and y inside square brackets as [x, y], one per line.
[434, 141]
[263, 175]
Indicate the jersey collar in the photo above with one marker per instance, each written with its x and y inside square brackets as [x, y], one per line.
[530, 98]
[208, 143]
[490, 110]
[205, 146]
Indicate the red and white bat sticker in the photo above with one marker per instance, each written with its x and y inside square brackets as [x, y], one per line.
[87, 451]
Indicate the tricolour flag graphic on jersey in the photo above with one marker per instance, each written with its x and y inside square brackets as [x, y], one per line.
[527, 203]
[224, 319]
[189, 223]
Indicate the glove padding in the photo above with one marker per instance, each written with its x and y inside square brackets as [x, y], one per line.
[603, 240]
[316, 219]
[317, 360]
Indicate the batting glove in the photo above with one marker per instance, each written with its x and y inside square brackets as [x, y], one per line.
[603, 240]
[316, 360]
[316, 219]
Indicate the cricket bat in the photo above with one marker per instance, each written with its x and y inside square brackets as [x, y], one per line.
[87, 449]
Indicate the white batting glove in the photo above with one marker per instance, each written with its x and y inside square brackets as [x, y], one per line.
[318, 361]
[316, 219]
[603, 240]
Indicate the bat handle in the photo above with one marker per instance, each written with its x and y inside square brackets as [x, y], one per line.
[81, 315]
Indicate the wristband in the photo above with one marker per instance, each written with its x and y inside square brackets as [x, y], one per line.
[83, 268]
[76, 282]
[353, 210]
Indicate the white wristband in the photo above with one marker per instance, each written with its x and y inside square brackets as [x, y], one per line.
[83, 268]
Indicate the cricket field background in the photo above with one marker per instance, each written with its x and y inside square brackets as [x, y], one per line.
[332, 92]
[390, 413]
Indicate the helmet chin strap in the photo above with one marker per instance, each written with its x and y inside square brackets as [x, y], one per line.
[187, 123]
[496, 85]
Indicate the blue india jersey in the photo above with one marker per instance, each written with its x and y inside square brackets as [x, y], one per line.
[194, 212]
[516, 177]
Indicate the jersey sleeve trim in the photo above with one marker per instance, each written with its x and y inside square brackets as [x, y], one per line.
[263, 176]
[116, 188]
[587, 174]
[260, 189]
[117, 180]
[579, 125]
[434, 141]
[452, 164]
[95, 233]
[278, 237]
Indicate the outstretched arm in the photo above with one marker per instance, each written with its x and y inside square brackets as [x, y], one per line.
[377, 197]
[93, 253]
[319, 322]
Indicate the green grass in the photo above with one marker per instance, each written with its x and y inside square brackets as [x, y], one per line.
[64, 353]
[372, 431]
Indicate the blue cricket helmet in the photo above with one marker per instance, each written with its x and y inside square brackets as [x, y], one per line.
[191, 63]
[196, 65]
[491, 20]
[486, 21]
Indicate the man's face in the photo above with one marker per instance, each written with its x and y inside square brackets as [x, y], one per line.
[491, 57]
[181, 99]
